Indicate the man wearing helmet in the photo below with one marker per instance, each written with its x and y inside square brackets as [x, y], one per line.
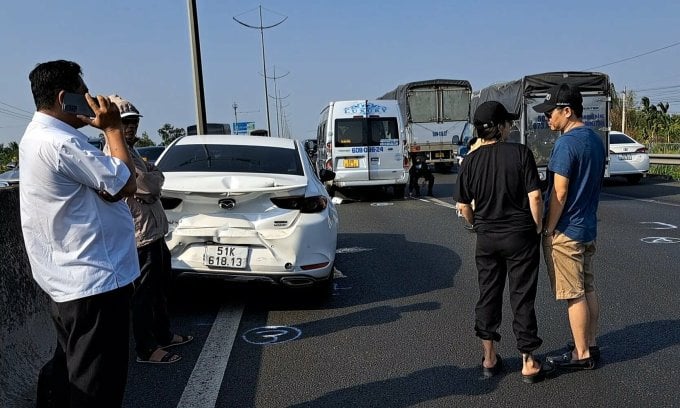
[419, 169]
[150, 320]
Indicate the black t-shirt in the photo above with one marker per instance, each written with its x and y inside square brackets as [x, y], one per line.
[498, 178]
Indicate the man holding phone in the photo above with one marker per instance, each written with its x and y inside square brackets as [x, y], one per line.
[79, 238]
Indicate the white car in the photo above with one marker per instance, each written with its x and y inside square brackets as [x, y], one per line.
[627, 157]
[248, 208]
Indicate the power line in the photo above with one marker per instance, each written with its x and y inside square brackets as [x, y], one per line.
[633, 57]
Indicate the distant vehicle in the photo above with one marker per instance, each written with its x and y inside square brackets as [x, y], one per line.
[363, 142]
[213, 129]
[627, 157]
[248, 209]
[10, 177]
[532, 128]
[150, 153]
[435, 113]
[259, 132]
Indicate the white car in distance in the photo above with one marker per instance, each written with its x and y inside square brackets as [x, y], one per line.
[248, 208]
[627, 157]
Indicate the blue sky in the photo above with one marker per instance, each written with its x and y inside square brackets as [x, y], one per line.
[330, 50]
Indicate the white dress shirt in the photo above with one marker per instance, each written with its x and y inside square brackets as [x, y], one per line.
[78, 244]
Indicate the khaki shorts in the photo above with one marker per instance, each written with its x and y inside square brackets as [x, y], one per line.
[570, 266]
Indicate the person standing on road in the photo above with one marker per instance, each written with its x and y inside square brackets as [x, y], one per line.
[502, 179]
[575, 176]
[79, 239]
[150, 319]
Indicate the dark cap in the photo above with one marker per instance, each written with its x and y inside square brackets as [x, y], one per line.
[492, 113]
[560, 96]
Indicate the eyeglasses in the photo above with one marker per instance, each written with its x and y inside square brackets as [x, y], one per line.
[130, 121]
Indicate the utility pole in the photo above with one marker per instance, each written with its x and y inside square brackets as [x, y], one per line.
[201, 126]
[264, 63]
[235, 106]
[277, 97]
[623, 111]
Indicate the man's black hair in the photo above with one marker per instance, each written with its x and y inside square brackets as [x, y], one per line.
[48, 78]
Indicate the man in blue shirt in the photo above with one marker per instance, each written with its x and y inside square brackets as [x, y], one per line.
[575, 174]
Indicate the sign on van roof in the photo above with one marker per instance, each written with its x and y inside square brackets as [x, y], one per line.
[365, 109]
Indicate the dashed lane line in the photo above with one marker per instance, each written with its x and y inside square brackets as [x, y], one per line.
[205, 381]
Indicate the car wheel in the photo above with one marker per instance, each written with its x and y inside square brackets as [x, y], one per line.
[634, 178]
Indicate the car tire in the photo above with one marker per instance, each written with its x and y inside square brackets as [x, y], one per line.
[634, 178]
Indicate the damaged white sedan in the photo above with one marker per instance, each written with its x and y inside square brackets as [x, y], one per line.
[248, 208]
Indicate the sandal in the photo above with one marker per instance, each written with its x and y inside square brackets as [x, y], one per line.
[540, 374]
[490, 372]
[177, 339]
[167, 358]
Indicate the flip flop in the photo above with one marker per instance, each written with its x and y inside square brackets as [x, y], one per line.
[182, 340]
[168, 358]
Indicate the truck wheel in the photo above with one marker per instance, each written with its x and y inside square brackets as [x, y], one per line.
[399, 190]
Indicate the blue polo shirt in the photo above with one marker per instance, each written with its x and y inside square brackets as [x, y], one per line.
[578, 155]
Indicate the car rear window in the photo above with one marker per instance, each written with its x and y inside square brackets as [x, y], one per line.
[619, 138]
[231, 158]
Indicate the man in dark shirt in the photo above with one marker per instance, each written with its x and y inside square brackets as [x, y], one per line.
[502, 179]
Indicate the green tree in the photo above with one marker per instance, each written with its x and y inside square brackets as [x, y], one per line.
[145, 140]
[168, 133]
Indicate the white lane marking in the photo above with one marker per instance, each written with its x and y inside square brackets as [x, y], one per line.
[644, 200]
[442, 203]
[352, 250]
[662, 225]
[660, 240]
[206, 378]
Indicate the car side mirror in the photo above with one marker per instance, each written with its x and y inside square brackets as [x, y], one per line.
[326, 175]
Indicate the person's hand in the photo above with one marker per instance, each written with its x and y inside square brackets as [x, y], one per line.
[106, 113]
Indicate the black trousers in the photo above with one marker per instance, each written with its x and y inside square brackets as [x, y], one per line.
[414, 175]
[90, 363]
[150, 318]
[515, 255]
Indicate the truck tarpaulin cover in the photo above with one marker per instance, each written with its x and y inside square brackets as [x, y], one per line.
[400, 93]
[510, 94]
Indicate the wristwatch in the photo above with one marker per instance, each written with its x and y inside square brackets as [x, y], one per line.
[546, 233]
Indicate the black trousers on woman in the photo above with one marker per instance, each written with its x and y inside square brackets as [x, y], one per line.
[515, 255]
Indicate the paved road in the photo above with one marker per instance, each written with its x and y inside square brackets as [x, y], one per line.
[398, 330]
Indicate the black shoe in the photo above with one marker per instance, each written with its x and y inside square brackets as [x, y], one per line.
[495, 370]
[594, 350]
[565, 361]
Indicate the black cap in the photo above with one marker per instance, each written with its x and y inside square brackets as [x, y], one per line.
[492, 113]
[560, 96]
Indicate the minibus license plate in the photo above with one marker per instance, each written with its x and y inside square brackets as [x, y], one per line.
[225, 256]
[439, 155]
[351, 163]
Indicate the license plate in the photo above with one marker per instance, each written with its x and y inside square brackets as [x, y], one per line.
[439, 155]
[225, 256]
[625, 157]
[351, 163]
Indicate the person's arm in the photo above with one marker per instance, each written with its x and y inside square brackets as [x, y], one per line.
[466, 212]
[558, 198]
[536, 206]
[107, 119]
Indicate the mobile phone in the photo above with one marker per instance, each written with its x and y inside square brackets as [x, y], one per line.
[77, 105]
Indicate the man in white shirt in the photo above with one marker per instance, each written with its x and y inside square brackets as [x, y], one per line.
[79, 238]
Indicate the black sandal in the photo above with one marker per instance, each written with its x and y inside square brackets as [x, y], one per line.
[495, 370]
[540, 374]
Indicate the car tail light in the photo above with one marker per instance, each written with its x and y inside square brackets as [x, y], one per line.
[303, 204]
[641, 150]
[170, 203]
[314, 266]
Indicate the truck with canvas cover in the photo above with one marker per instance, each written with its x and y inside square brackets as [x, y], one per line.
[436, 114]
[532, 128]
